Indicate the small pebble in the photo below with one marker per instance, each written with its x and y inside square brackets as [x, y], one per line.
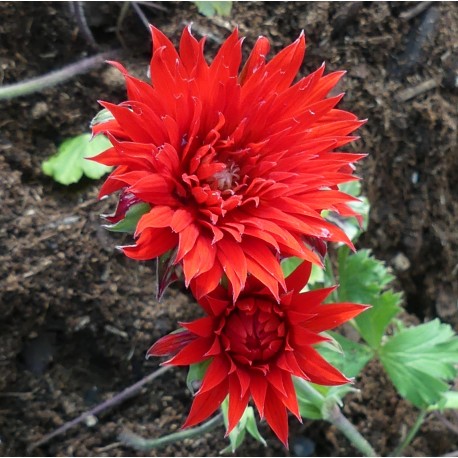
[303, 446]
[39, 110]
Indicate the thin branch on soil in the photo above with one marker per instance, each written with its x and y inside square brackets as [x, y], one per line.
[338, 419]
[153, 6]
[411, 92]
[55, 77]
[447, 423]
[138, 443]
[108, 404]
[415, 11]
[80, 17]
[141, 15]
[410, 435]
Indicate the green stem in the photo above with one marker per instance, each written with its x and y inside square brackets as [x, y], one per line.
[315, 396]
[410, 435]
[337, 418]
[138, 443]
[10, 91]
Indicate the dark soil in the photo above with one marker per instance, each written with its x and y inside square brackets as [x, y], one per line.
[77, 316]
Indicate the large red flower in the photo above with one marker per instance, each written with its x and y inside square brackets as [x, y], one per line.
[255, 346]
[237, 167]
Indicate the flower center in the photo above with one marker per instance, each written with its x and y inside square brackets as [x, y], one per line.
[254, 331]
[227, 178]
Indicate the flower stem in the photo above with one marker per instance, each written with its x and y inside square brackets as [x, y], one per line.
[410, 435]
[10, 91]
[138, 443]
[337, 418]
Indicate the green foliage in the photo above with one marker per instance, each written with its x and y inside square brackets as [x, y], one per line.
[315, 401]
[350, 225]
[420, 360]
[70, 163]
[211, 9]
[130, 221]
[362, 279]
[196, 373]
[351, 358]
[101, 117]
[449, 400]
[246, 424]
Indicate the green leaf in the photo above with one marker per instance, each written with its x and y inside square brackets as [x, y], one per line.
[373, 322]
[252, 428]
[350, 225]
[449, 400]
[246, 424]
[351, 359]
[210, 9]
[196, 373]
[310, 400]
[130, 221]
[420, 360]
[70, 163]
[101, 117]
[362, 279]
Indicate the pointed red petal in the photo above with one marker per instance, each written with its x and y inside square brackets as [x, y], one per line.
[205, 404]
[276, 415]
[171, 344]
[297, 279]
[332, 315]
[217, 372]
[237, 403]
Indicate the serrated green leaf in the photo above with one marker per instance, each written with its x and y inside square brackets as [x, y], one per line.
[70, 163]
[373, 322]
[420, 360]
[449, 400]
[362, 279]
[210, 9]
[351, 360]
[196, 373]
[130, 221]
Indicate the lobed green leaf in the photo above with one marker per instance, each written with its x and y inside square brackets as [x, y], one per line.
[70, 162]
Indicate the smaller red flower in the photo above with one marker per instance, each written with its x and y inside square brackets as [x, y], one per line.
[255, 346]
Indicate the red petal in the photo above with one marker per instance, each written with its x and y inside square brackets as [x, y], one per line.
[297, 279]
[205, 283]
[192, 353]
[151, 244]
[276, 415]
[170, 344]
[237, 403]
[318, 370]
[256, 59]
[216, 373]
[330, 316]
[206, 403]
[202, 327]
[258, 389]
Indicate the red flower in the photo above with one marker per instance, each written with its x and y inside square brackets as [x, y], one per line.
[236, 167]
[255, 346]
